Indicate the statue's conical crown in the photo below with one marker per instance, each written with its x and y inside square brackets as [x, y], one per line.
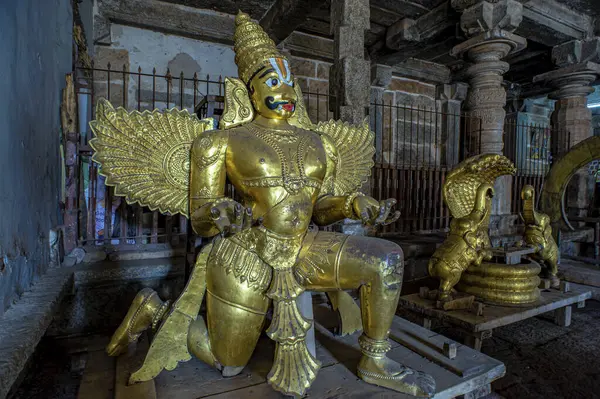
[253, 47]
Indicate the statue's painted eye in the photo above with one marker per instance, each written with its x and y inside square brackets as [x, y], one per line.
[273, 82]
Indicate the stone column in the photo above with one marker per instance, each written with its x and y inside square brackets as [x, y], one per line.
[572, 120]
[450, 97]
[349, 74]
[489, 25]
[381, 77]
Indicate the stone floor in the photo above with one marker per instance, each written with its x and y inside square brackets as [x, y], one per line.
[542, 361]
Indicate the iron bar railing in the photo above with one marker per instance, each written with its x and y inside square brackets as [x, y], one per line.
[416, 147]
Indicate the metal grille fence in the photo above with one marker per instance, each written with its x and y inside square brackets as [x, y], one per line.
[416, 147]
[530, 149]
[105, 218]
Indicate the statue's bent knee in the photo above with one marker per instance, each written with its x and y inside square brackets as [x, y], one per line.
[390, 268]
[235, 315]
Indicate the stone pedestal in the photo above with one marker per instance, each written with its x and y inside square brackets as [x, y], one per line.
[572, 121]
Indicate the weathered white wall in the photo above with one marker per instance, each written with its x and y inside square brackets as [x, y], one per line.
[148, 49]
[36, 54]
[135, 48]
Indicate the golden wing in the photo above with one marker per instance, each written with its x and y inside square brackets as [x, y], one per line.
[460, 188]
[355, 150]
[146, 155]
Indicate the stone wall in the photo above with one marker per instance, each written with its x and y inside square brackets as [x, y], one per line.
[408, 126]
[313, 78]
[36, 54]
[133, 49]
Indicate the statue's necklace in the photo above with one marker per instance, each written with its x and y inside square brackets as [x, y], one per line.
[272, 138]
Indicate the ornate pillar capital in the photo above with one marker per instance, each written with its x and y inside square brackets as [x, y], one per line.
[487, 98]
[479, 16]
[571, 81]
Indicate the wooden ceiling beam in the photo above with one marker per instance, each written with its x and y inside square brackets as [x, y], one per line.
[285, 16]
[409, 37]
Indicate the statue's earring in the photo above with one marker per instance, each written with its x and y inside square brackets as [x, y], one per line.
[238, 105]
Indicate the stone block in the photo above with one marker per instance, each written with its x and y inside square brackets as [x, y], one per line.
[306, 45]
[354, 13]
[456, 91]
[354, 82]
[405, 30]
[419, 102]
[303, 67]
[318, 87]
[303, 82]
[117, 58]
[567, 53]
[590, 50]
[381, 75]
[323, 70]
[412, 86]
[348, 42]
[484, 16]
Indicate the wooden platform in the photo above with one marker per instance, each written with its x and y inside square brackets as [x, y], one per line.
[470, 373]
[479, 327]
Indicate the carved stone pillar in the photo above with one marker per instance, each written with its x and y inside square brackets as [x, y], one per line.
[381, 77]
[349, 76]
[350, 73]
[489, 25]
[451, 97]
[571, 119]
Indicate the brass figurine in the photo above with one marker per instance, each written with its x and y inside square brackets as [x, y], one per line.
[468, 192]
[288, 173]
[538, 234]
[463, 247]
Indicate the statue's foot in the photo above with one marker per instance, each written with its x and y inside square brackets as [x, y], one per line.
[387, 373]
[145, 309]
[554, 281]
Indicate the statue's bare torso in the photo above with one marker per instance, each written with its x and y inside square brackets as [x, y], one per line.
[277, 174]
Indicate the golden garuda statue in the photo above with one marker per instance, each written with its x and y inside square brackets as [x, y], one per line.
[288, 173]
[468, 192]
[538, 234]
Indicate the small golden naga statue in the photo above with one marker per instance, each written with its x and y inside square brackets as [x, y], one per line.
[288, 173]
[468, 192]
[538, 234]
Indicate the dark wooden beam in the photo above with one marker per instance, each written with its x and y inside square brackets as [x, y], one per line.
[409, 38]
[285, 16]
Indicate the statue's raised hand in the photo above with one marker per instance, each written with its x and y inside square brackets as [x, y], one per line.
[230, 217]
[375, 213]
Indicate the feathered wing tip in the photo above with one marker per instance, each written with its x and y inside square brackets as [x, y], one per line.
[462, 182]
[294, 369]
[355, 147]
[145, 155]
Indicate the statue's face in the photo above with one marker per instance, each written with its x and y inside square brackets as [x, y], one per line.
[272, 90]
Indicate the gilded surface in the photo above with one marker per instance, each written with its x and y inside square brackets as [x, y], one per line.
[145, 156]
[465, 245]
[468, 191]
[552, 197]
[538, 234]
[289, 173]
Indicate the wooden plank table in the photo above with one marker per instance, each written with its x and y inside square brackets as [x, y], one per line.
[479, 327]
[457, 369]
